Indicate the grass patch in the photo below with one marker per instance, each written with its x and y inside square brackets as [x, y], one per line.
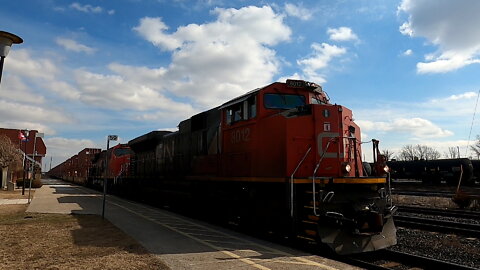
[55, 241]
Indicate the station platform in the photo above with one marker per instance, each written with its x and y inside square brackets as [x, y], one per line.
[180, 242]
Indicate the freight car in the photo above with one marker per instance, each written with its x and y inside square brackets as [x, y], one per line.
[75, 169]
[476, 169]
[434, 171]
[280, 158]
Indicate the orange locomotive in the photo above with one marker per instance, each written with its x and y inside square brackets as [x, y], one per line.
[280, 159]
[118, 166]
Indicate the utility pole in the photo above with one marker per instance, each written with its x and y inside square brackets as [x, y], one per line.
[109, 138]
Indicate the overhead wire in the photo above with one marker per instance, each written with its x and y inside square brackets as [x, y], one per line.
[471, 126]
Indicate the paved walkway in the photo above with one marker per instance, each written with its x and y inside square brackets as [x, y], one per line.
[180, 242]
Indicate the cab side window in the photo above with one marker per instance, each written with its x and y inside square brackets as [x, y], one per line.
[244, 110]
[252, 107]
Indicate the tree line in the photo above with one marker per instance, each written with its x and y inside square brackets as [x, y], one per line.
[424, 152]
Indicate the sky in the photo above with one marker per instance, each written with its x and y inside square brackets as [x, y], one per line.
[408, 69]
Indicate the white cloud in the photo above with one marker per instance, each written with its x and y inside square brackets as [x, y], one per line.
[12, 110]
[418, 127]
[23, 64]
[40, 72]
[114, 92]
[466, 95]
[224, 58]
[86, 8]
[342, 34]
[17, 115]
[62, 89]
[451, 25]
[406, 29]
[152, 29]
[26, 103]
[460, 106]
[408, 52]
[429, 122]
[13, 124]
[62, 148]
[14, 88]
[320, 58]
[298, 11]
[139, 91]
[72, 45]
[447, 62]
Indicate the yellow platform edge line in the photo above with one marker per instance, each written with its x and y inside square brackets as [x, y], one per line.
[345, 180]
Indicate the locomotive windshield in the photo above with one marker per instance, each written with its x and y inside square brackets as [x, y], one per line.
[283, 101]
[122, 151]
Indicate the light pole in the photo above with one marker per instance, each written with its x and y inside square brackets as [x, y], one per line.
[25, 140]
[109, 138]
[37, 135]
[6, 41]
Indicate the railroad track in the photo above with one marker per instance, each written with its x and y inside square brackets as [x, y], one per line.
[390, 259]
[440, 212]
[444, 226]
[424, 193]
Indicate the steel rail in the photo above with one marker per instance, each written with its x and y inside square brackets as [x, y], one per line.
[440, 212]
[429, 224]
[424, 262]
[443, 194]
[390, 259]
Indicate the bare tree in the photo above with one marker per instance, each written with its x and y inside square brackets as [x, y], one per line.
[388, 154]
[407, 153]
[9, 154]
[452, 152]
[432, 154]
[476, 147]
[410, 152]
[421, 151]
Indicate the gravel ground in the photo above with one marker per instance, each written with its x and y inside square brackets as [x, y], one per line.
[453, 248]
[431, 202]
[457, 249]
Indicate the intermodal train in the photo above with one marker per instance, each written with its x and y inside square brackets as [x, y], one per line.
[280, 159]
[436, 171]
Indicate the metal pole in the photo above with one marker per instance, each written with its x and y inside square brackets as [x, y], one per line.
[2, 59]
[32, 167]
[24, 165]
[105, 179]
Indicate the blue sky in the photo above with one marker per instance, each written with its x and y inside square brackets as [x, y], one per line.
[408, 69]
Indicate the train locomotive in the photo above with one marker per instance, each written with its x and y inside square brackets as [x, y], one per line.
[119, 160]
[280, 159]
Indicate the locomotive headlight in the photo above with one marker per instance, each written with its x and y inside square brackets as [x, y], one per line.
[346, 167]
[386, 169]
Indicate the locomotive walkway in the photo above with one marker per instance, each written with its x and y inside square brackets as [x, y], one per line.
[180, 242]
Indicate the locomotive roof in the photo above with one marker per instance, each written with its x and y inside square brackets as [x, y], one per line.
[151, 136]
[313, 87]
[241, 98]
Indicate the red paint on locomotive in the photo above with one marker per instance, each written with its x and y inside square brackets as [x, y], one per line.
[119, 160]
